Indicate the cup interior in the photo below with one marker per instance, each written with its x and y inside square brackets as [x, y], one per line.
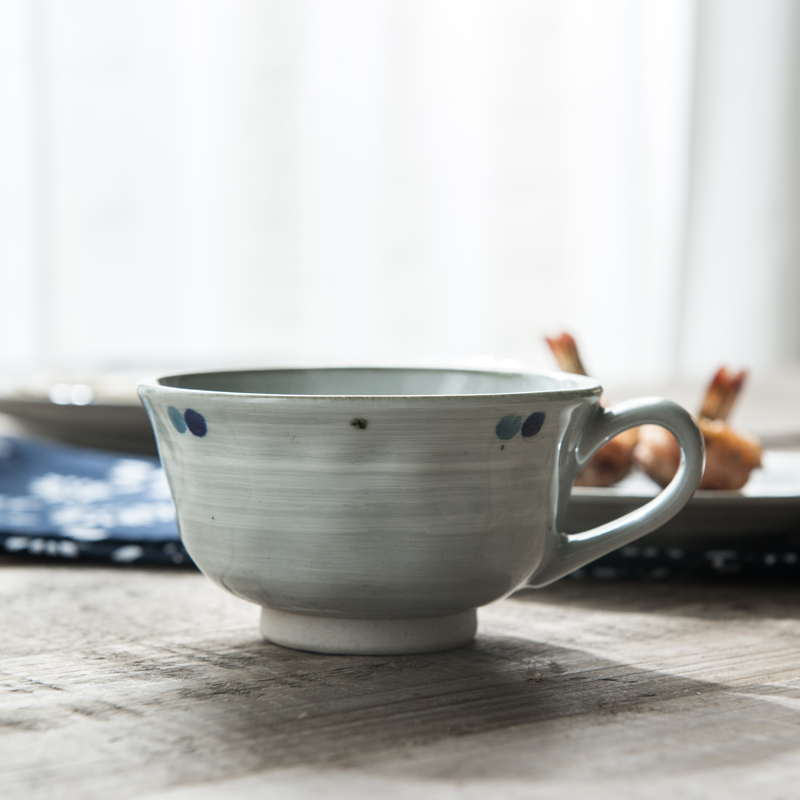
[378, 382]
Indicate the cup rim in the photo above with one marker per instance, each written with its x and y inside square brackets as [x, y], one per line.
[586, 386]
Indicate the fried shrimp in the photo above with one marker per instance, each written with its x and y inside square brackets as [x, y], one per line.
[730, 456]
[613, 461]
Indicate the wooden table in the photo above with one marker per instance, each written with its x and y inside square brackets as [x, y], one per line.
[128, 682]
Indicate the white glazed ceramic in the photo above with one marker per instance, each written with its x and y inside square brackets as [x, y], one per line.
[374, 510]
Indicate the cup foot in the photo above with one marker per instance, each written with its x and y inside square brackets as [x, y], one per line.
[368, 636]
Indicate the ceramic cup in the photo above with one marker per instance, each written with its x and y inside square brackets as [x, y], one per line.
[373, 511]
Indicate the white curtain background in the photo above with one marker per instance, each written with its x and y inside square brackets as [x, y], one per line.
[204, 182]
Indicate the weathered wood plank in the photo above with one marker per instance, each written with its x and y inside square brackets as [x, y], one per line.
[128, 683]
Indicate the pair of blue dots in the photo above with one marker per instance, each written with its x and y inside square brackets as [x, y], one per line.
[508, 427]
[191, 419]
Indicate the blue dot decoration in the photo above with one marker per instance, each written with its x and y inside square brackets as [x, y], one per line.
[508, 426]
[195, 422]
[533, 424]
[176, 418]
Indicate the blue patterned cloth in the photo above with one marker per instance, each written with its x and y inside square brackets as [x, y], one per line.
[71, 502]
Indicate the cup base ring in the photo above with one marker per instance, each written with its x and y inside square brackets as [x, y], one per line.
[368, 636]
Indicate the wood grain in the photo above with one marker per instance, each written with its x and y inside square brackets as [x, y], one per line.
[121, 682]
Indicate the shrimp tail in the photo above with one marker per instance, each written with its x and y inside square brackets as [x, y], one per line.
[721, 394]
[566, 352]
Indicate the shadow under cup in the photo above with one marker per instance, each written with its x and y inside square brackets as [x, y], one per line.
[371, 510]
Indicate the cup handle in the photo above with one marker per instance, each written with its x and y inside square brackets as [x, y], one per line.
[567, 552]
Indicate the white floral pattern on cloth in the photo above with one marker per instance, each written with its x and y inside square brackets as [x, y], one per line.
[71, 502]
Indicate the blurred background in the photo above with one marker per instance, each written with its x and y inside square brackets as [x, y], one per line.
[210, 182]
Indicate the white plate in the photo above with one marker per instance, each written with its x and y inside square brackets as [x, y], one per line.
[120, 426]
[767, 507]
